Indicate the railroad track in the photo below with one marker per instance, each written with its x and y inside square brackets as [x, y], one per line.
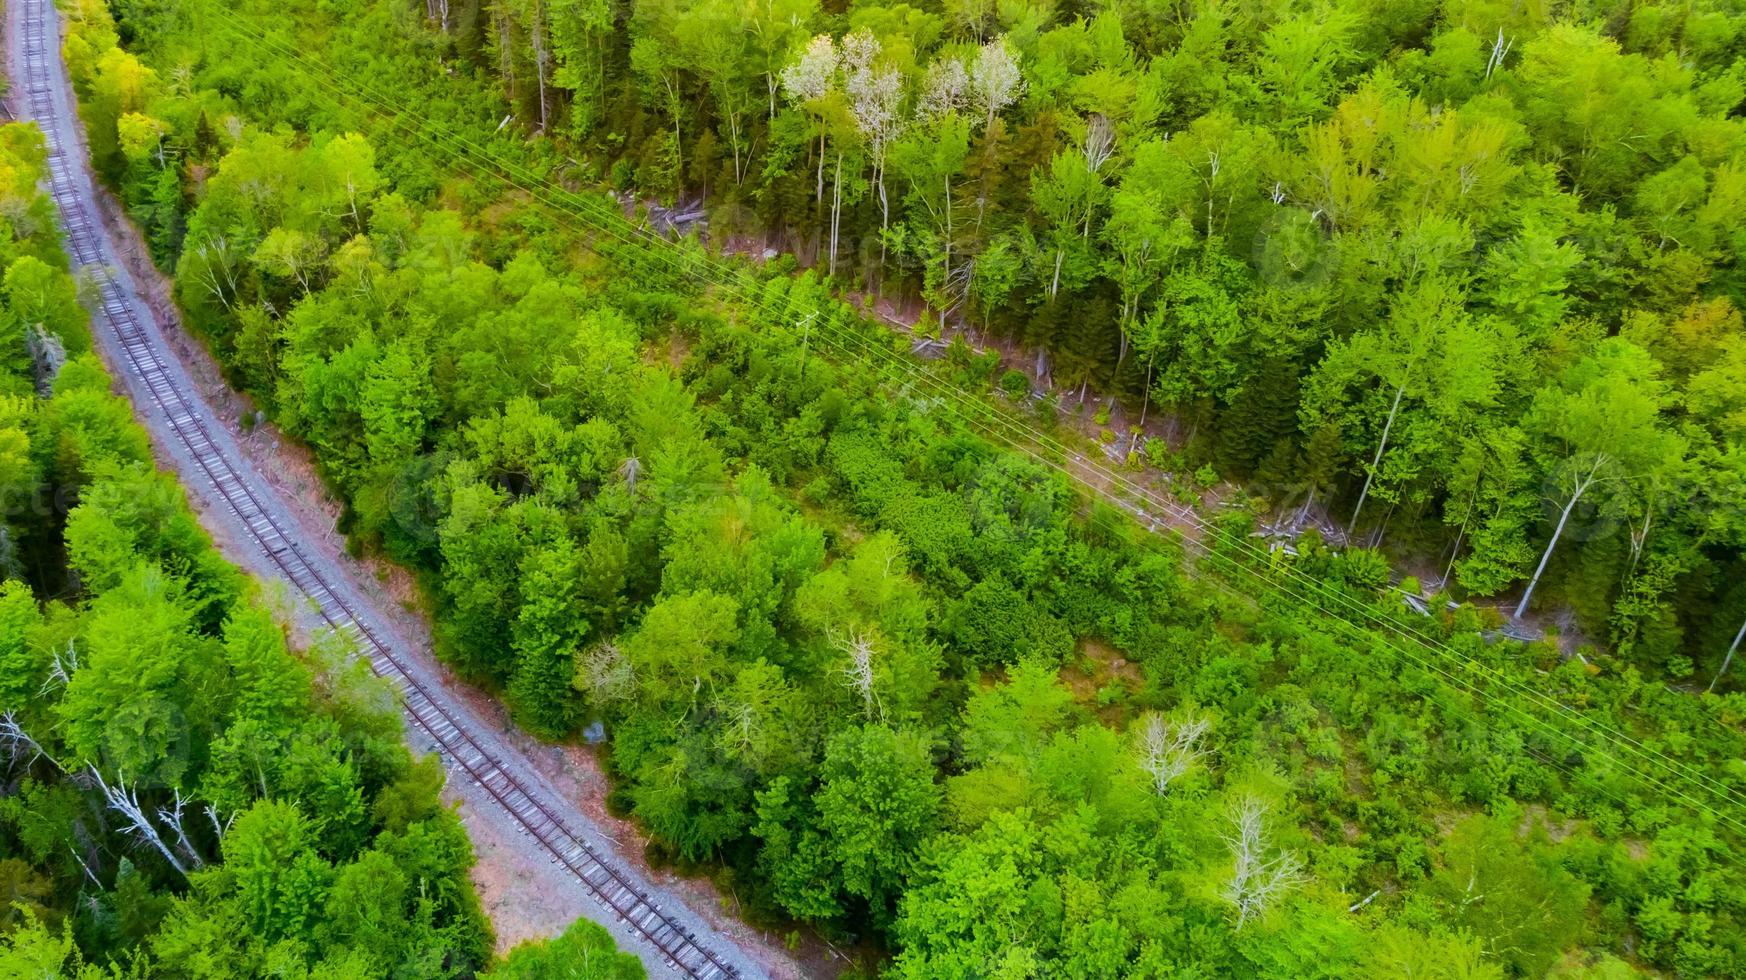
[145, 353]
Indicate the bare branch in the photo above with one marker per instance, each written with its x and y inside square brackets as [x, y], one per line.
[15, 741]
[218, 829]
[945, 91]
[1500, 49]
[875, 99]
[995, 80]
[173, 816]
[1169, 749]
[1100, 142]
[743, 732]
[61, 671]
[1258, 879]
[125, 801]
[605, 673]
[86, 867]
[810, 78]
[858, 672]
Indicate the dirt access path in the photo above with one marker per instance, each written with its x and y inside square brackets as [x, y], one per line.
[526, 891]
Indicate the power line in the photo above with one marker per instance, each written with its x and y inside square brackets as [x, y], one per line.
[603, 220]
[614, 228]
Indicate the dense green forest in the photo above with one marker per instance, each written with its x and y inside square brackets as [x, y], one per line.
[888, 679]
[1408, 255]
[1455, 271]
[1379, 252]
[182, 795]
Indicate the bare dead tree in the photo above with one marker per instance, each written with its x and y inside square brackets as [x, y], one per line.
[605, 673]
[216, 271]
[876, 99]
[743, 732]
[858, 672]
[218, 829]
[1169, 749]
[172, 815]
[995, 80]
[1500, 49]
[1261, 874]
[1099, 142]
[16, 742]
[1580, 486]
[945, 90]
[955, 289]
[807, 81]
[125, 801]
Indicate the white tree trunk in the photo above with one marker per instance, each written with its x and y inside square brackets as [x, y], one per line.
[734, 138]
[946, 276]
[1640, 538]
[505, 52]
[172, 815]
[884, 208]
[678, 133]
[1732, 649]
[14, 741]
[1376, 537]
[539, 49]
[1376, 461]
[1557, 532]
[126, 802]
[1146, 396]
[1472, 502]
[836, 210]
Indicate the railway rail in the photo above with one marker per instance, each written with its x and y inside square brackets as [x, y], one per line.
[145, 359]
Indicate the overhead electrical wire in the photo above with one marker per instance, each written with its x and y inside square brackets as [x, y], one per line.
[1015, 434]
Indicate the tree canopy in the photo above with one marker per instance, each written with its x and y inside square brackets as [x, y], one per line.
[892, 681]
